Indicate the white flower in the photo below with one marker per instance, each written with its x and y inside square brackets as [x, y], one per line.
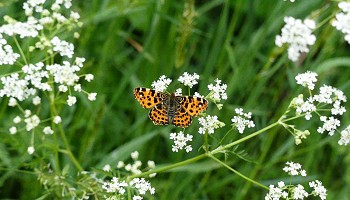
[294, 169]
[307, 79]
[31, 150]
[189, 79]
[342, 20]
[298, 35]
[32, 122]
[17, 119]
[57, 120]
[299, 192]
[209, 124]
[115, 186]
[135, 155]
[302, 106]
[30, 28]
[106, 168]
[71, 100]
[92, 96]
[218, 91]
[319, 189]
[178, 92]
[180, 141]
[62, 88]
[48, 131]
[77, 87]
[329, 125]
[242, 120]
[62, 47]
[120, 164]
[161, 84]
[36, 100]
[15, 87]
[13, 130]
[142, 186]
[151, 164]
[276, 193]
[12, 102]
[345, 136]
[35, 74]
[89, 77]
[7, 56]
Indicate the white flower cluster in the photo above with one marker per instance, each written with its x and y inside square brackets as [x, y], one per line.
[294, 169]
[142, 186]
[342, 20]
[283, 191]
[209, 124]
[7, 56]
[307, 79]
[298, 35]
[139, 185]
[242, 120]
[115, 186]
[134, 168]
[218, 91]
[189, 79]
[345, 136]
[33, 77]
[327, 95]
[180, 141]
[161, 84]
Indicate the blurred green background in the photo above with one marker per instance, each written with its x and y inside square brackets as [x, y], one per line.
[130, 43]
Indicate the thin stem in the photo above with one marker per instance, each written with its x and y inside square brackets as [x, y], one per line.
[220, 149]
[20, 50]
[72, 158]
[236, 172]
[165, 168]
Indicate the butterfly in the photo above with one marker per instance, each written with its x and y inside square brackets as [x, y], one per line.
[169, 108]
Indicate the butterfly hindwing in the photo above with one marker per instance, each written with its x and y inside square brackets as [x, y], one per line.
[182, 118]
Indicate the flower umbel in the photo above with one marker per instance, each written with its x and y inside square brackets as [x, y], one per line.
[161, 84]
[209, 124]
[342, 19]
[189, 79]
[298, 35]
[242, 120]
[180, 141]
[283, 191]
[218, 91]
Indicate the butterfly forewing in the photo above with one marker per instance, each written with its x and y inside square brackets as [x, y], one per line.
[193, 105]
[148, 98]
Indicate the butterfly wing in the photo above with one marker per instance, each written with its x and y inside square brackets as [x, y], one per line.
[193, 105]
[148, 98]
[158, 114]
[182, 118]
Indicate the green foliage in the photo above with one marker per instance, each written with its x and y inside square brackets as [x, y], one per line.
[130, 43]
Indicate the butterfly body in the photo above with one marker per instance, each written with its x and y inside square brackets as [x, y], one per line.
[170, 109]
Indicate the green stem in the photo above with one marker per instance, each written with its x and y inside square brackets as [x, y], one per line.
[72, 158]
[236, 172]
[165, 168]
[20, 50]
[220, 149]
